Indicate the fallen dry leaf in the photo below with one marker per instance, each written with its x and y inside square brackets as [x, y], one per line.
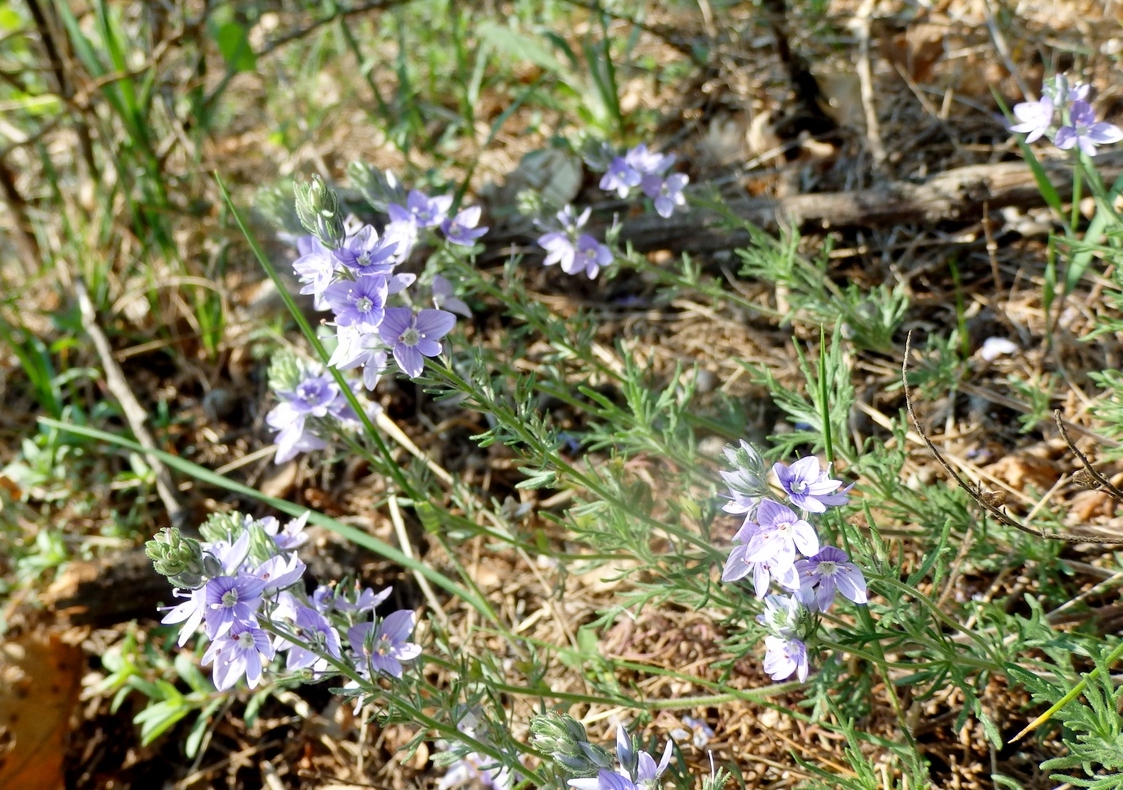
[40, 676]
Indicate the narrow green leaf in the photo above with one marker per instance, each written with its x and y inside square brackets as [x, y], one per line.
[234, 44]
[204, 475]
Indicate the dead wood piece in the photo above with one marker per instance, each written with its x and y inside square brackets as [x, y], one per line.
[114, 589]
[955, 195]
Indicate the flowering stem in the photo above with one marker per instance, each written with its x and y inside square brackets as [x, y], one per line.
[318, 347]
[414, 713]
[1077, 182]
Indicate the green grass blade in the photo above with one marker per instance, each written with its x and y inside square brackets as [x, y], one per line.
[204, 475]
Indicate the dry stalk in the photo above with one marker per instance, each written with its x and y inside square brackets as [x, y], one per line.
[987, 500]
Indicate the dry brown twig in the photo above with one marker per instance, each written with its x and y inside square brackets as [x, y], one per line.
[1096, 475]
[134, 412]
[986, 499]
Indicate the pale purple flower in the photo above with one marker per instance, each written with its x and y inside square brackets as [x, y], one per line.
[361, 302]
[1084, 131]
[647, 772]
[365, 601]
[230, 556]
[365, 254]
[315, 268]
[648, 163]
[740, 504]
[826, 573]
[428, 212]
[312, 396]
[589, 256]
[190, 612]
[279, 572]
[781, 615]
[323, 599]
[462, 229]
[1079, 92]
[781, 569]
[620, 177]
[666, 193]
[413, 336]
[444, 298]
[231, 600]
[290, 537]
[781, 532]
[313, 628]
[294, 435]
[402, 230]
[358, 348]
[785, 657]
[559, 248]
[239, 652]
[809, 487]
[1035, 118]
[604, 780]
[383, 649]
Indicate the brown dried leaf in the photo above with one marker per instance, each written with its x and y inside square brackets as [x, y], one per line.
[39, 684]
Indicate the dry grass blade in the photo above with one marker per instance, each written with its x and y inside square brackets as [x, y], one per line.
[1091, 470]
[984, 499]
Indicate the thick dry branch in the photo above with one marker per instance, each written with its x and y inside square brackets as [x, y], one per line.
[954, 195]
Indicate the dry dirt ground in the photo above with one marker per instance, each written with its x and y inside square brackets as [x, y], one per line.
[738, 124]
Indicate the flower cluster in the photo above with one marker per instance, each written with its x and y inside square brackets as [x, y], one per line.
[1077, 125]
[777, 544]
[638, 170]
[637, 770]
[242, 586]
[573, 250]
[646, 170]
[349, 270]
[310, 397]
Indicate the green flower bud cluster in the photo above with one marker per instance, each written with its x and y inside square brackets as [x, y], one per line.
[276, 205]
[178, 557]
[317, 205]
[380, 189]
[285, 371]
[564, 738]
[223, 526]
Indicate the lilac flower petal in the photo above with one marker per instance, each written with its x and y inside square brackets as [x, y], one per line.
[409, 359]
[435, 324]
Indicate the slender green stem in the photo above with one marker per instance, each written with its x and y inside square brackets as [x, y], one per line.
[415, 714]
[318, 347]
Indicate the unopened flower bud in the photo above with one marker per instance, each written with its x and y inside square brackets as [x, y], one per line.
[276, 205]
[285, 372]
[529, 203]
[177, 557]
[318, 208]
[564, 739]
[379, 188]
